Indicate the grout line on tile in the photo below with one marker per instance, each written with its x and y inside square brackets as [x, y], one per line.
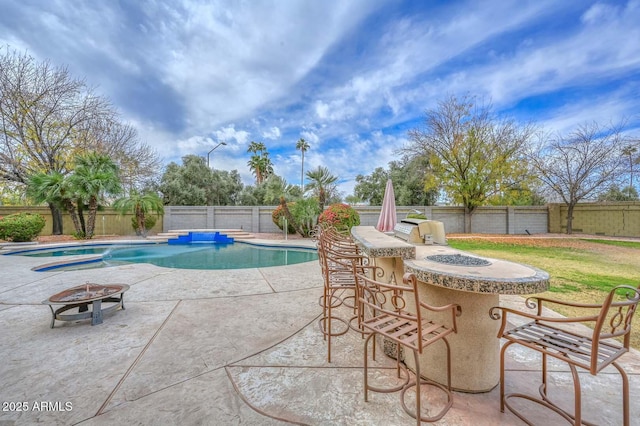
[136, 361]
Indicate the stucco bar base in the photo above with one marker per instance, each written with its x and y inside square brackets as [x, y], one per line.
[475, 350]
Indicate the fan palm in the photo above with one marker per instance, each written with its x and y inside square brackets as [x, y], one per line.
[322, 183]
[54, 188]
[260, 164]
[140, 205]
[95, 176]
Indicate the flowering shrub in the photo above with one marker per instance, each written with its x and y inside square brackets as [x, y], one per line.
[341, 216]
[21, 227]
[278, 218]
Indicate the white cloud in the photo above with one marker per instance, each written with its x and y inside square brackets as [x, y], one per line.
[273, 133]
[229, 134]
[310, 136]
[192, 74]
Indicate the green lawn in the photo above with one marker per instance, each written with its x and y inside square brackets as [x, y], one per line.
[579, 270]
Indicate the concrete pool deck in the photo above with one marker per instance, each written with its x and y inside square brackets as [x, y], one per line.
[219, 348]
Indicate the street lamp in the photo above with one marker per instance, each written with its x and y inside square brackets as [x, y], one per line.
[209, 153]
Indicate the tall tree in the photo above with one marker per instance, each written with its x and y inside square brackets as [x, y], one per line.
[472, 153]
[195, 184]
[260, 164]
[410, 176]
[580, 165]
[47, 117]
[189, 184]
[322, 184]
[303, 147]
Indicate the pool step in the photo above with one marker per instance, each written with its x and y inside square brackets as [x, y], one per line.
[237, 234]
[201, 237]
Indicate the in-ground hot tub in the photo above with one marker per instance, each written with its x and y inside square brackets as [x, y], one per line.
[453, 276]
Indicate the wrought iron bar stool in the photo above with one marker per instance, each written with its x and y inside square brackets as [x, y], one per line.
[337, 265]
[396, 313]
[590, 351]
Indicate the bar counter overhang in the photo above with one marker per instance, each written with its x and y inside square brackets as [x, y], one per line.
[475, 284]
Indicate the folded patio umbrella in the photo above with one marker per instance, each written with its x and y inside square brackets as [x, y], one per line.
[387, 220]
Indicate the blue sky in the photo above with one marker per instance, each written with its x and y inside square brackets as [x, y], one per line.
[351, 77]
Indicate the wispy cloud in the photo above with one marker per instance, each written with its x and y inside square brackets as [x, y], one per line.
[349, 77]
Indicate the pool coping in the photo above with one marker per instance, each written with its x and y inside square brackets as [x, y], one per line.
[77, 260]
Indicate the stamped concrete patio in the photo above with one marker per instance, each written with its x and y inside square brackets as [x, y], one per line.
[220, 348]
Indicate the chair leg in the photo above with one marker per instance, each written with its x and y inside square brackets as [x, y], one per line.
[330, 329]
[326, 322]
[544, 400]
[420, 381]
[366, 366]
[625, 393]
[577, 395]
[502, 354]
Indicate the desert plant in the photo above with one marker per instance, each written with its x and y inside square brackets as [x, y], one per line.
[342, 216]
[278, 217]
[21, 227]
[305, 212]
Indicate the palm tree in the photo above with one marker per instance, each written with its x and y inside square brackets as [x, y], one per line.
[140, 205]
[321, 184]
[95, 176]
[303, 146]
[260, 164]
[55, 189]
[256, 147]
[276, 187]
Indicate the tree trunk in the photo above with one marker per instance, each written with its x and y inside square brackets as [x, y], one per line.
[83, 226]
[91, 221]
[570, 218]
[467, 220]
[140, 219]
[56, 222]
[71, 209]
[289, 216]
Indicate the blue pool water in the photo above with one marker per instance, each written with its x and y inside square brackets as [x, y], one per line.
[190, 256]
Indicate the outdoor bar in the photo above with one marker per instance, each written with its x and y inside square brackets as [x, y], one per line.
[448, 276]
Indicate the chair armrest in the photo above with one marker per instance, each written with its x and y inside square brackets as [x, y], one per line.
[533, 301]
[500, 312]
[455, 310]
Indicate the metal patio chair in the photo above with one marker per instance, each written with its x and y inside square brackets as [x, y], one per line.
[593, 351]
[395, 312]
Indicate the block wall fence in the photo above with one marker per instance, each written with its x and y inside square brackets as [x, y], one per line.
[610, 219]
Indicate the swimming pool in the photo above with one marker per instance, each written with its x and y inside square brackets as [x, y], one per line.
[188, 256]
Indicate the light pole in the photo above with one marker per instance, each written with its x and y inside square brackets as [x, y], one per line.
[212, 149]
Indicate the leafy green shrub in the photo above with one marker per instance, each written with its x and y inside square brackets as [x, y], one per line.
[21, 227]
[342, 216]
[278, 218]
[305, 212]
[416, 216]
[149, 222]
